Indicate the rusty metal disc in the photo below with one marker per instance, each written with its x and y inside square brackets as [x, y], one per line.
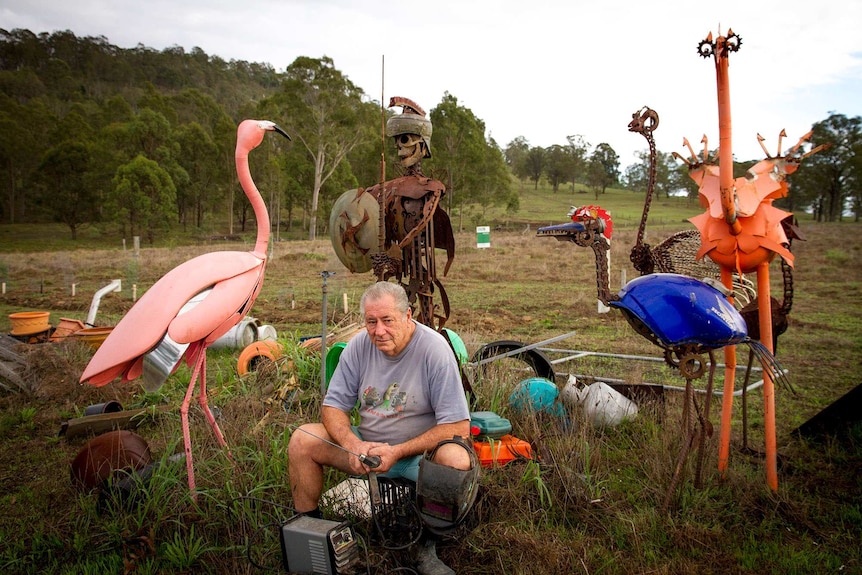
[353, 229]
[106, 453]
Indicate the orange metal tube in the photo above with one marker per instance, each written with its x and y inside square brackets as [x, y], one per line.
[764, 315]
[729, 384]
[725, 133]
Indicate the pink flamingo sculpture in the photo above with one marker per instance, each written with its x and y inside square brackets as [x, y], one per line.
[190, 307]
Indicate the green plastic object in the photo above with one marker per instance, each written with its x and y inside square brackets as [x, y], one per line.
[488, 425]
[457, 345]
[332, 357]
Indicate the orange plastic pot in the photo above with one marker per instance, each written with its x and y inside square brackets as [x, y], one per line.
[29, 322]
[253, 355]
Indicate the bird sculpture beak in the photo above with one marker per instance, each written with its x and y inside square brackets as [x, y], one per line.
[280, 131]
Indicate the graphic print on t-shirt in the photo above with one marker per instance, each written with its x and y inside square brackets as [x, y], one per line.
[390, 404]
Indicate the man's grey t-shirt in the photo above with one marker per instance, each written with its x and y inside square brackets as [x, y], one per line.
[403, 396]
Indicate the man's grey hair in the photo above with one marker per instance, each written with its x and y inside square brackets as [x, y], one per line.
[381, 289]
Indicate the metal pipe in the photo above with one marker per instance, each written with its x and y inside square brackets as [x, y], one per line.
[115, 285]
[523, 349]
[323, 334]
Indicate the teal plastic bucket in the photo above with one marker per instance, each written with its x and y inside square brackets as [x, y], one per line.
[537, 395]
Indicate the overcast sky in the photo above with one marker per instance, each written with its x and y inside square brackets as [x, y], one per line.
[540, 69]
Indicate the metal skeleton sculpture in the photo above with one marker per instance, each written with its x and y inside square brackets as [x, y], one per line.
[395, 226]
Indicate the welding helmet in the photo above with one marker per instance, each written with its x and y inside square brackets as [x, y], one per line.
[444, 495]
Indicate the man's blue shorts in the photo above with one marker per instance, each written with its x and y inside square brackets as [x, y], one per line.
[407, 468]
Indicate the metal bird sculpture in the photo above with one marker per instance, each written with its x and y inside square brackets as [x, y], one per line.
[190, 307]
[684, 316]
[742, 231]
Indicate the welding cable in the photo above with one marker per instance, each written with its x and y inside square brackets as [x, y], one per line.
[275, 522]
[252, 539]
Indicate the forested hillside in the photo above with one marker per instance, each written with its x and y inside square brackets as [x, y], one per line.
[85, 121]
[140, 142]
[137, 141]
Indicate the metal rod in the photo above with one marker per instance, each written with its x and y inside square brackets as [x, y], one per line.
[523, 349]
[371, 461]
[578, 354]
[323, 333]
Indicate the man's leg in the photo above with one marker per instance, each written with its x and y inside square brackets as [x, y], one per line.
[307, 456]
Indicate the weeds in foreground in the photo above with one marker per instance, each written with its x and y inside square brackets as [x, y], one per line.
[588, 502]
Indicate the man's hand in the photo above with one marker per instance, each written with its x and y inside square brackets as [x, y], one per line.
[368, 452]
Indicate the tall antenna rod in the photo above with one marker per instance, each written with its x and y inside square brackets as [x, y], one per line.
[381, 196]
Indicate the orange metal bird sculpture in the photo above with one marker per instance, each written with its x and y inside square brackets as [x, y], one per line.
[190, 307]
[741, 231]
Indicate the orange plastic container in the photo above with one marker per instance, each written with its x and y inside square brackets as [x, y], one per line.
[93, 336]
[493, 452]
[29, 322]
[66, 328]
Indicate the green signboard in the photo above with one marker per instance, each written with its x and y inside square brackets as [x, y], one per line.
[483, 237]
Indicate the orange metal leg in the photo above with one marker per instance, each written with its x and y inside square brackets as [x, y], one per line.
[765, 317]
[729, 384]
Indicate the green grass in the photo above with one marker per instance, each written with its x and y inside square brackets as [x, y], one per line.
[593, 501]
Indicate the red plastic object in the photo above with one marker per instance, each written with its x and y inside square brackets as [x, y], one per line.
[499, 452]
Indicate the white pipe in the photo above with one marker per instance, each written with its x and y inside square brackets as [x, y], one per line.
[115, 285]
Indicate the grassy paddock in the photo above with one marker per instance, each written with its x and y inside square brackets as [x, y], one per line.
[593, 500]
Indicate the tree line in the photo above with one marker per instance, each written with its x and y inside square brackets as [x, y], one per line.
[139, 140]
[827, 185]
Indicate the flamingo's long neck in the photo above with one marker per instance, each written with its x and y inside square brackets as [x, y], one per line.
[257, 204]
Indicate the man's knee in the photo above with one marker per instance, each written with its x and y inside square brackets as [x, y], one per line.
[453, 455]
[301, 444]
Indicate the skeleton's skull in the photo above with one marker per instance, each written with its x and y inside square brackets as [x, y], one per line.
[411, 149]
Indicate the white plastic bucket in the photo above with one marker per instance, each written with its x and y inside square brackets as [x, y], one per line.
[604, 405]
[266, 331]
[240, 336]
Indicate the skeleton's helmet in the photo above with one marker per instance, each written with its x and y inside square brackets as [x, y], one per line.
[411, 130]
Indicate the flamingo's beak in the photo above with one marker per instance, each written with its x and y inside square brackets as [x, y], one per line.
[280, 131]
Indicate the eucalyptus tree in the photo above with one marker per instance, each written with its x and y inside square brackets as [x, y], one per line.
[142, 196]
[603, 170]
[65, 184]
[831, 178]
[536, 160]
[559, 166]
[516, 157]
[495, 185]
[325, 114]
[472, 167]
[668, 177]
[577, 148]
[25, 129]
[199, 157]
[457, 148]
